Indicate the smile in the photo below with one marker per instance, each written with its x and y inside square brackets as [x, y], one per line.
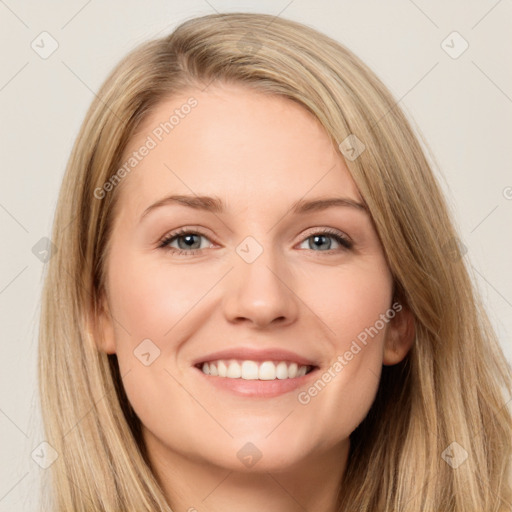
[253, 370]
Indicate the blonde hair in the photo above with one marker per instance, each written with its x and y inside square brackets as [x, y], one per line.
[449, 388]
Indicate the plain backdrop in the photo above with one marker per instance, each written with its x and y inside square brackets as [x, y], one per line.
[460, 101]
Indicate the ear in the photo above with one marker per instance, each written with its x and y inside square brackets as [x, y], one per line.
[103, 327]
[399, 336]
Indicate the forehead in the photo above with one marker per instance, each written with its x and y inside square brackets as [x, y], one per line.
[236, 143]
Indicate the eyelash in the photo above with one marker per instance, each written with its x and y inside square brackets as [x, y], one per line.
[345, 243]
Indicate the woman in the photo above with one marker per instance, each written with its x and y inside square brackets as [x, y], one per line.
[198, 353]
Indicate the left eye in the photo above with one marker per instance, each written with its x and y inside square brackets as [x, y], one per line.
[189, 242]
[320, 238]
[189, 245]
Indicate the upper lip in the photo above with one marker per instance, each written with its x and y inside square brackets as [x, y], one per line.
[251, 354]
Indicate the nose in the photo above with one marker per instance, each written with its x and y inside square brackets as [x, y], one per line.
[260, 293]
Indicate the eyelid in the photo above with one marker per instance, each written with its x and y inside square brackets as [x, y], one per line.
[186, 230]
[327, 231]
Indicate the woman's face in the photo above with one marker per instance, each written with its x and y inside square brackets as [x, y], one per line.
[264, 272]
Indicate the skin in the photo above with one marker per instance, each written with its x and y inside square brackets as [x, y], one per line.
[259, 154]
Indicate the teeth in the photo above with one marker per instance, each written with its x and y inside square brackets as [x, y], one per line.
[222, 369]
[267, 371]
[282, 370]
[251, 370]
[234, 370]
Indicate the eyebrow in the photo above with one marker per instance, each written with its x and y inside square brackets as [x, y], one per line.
[215, 205]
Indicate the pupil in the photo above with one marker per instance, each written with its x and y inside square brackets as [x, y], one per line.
[318, 237]
[189, 240]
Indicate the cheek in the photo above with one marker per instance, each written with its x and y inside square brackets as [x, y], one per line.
[152, 305]
[150, 299]
[353, 305]
[155, 309]
[344, 390]
[349, 300]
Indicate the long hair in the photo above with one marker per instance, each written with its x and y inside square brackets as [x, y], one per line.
[438, 436]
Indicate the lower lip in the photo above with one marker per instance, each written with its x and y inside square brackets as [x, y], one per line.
[258, 388]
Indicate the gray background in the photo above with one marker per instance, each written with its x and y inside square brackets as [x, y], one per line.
[462, 106]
